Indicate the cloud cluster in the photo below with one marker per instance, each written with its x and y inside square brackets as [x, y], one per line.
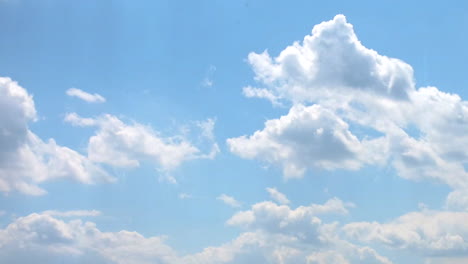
[26, 160]
[42, 238]
[431, 233]
[277, 234]
[351, 107]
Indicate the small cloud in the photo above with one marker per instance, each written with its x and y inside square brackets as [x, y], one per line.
[184, 196]
[252, 92]
[423, 206]
[90, 98]
[165, 177]
[208, 80]
[277, 196]
[229, 200]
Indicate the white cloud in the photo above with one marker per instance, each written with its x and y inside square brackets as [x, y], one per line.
[331, 61]
[229, 200]
[307, 137]
[431, 233]
[26, 160]
[261, 247]
[41, 238]
[252, 92]
[353, 107]
[46, 238]
[125, 145]
[301, 222]
[90, 98]
[277, 196]
[184, 196]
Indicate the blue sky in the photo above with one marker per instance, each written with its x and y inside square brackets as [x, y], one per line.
[233, 132]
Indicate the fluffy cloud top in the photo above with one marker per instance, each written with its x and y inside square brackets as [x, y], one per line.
[330, 61]
[47, 238]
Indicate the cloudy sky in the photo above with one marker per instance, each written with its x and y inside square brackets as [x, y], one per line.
[197, 132]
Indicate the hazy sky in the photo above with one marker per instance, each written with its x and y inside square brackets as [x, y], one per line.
[283, 132]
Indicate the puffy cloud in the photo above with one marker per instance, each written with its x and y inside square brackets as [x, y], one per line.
[277, 196]
[261, 247]
[229, 200]
[431, 233]
[124, 145]
[353, 107]
[331, 61]
[90, 98]
[48, 238]
[26, 160]
[44, 239]
[307, 137]
[301, 222]
[277, 234]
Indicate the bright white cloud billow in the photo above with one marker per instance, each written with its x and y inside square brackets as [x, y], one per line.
[90, 98]
[329, 62]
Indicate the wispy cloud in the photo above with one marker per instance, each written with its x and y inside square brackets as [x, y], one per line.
[74, 213]
[208, 80]
[90, 98]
